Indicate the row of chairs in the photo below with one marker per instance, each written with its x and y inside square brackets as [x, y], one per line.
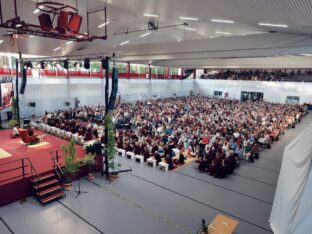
[59, 132]
[139, 158]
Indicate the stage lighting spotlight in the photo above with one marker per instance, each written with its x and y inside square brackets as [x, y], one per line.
[76, 65]
[66, 64]
[42, 65]
[29, 64]
[86, 64]
[58, 66]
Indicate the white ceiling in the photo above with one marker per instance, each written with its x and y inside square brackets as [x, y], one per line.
[247, 38]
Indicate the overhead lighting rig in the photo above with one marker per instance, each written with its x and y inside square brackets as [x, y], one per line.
[67, 28]
[151, 26]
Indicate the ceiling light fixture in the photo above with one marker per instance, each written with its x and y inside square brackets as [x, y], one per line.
[102, 25]
[222, 21]
[273, 25]
[188, 18]
[1, 41]
[145, 34]
[190, 29]
[69, 42]
[150, 15]
[125, 42]
[224, 33]
[57, 48]
[36, 11]
[310, 55]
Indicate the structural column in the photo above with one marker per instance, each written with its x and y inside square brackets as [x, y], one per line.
[149, 70]
[167, 72]
[128, 70]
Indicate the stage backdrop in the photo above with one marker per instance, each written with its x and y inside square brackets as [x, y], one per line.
[292, 207]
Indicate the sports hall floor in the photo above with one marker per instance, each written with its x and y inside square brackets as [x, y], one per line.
[151, 201]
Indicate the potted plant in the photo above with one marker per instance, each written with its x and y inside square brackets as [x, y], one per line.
[71, 164]
[89, 160]
[111, 147]
[12, 123]
[14, 119]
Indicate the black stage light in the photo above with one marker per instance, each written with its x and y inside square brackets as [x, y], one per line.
[105, 63]
[42, 65]
[29, 64]
[86, 64]
[66, 64]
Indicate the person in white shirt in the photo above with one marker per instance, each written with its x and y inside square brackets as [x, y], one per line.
[15, 131]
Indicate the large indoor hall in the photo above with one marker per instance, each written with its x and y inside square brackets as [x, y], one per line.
[155, 116]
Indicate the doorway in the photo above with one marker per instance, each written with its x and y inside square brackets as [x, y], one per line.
[252, 96]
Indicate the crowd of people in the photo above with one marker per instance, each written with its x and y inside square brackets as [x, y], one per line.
[218, 132]
[86, 121]
[261, 75]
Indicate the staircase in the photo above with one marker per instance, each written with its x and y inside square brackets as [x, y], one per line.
[46, 188]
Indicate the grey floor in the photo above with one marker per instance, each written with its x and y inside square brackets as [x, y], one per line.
[152, 201]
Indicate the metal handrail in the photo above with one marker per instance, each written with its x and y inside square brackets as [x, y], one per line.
[23, 165]
[57, 168]
[32, 169]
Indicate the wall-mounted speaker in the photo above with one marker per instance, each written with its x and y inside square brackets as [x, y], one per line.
[112, 99]
[32, 104]
[24, 80]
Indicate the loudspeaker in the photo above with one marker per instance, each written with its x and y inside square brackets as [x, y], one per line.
[26, 121]
[32, 104]
[62, 22]
[74, 23]
[77, 101]
[66, 64]
[45, 22]
[112, 99]
[105, 63]
[24, 80]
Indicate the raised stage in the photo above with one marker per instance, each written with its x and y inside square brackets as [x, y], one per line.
[13, 186]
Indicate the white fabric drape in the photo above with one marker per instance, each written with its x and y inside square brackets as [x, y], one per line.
[292, 207]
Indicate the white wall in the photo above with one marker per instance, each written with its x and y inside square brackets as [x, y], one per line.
[51, 94]
[273, 91]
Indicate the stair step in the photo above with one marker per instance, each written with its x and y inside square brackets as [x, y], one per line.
[43, 177]
[45, 184]
[51, 197]
[49, 190]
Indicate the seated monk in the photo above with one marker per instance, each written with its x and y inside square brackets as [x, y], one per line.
[146, 154]
[214, 165]
[157, 157]
[30, 130]
[223, 170]
[170, 162]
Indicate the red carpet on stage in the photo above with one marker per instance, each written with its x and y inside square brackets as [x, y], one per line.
[39, 156]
